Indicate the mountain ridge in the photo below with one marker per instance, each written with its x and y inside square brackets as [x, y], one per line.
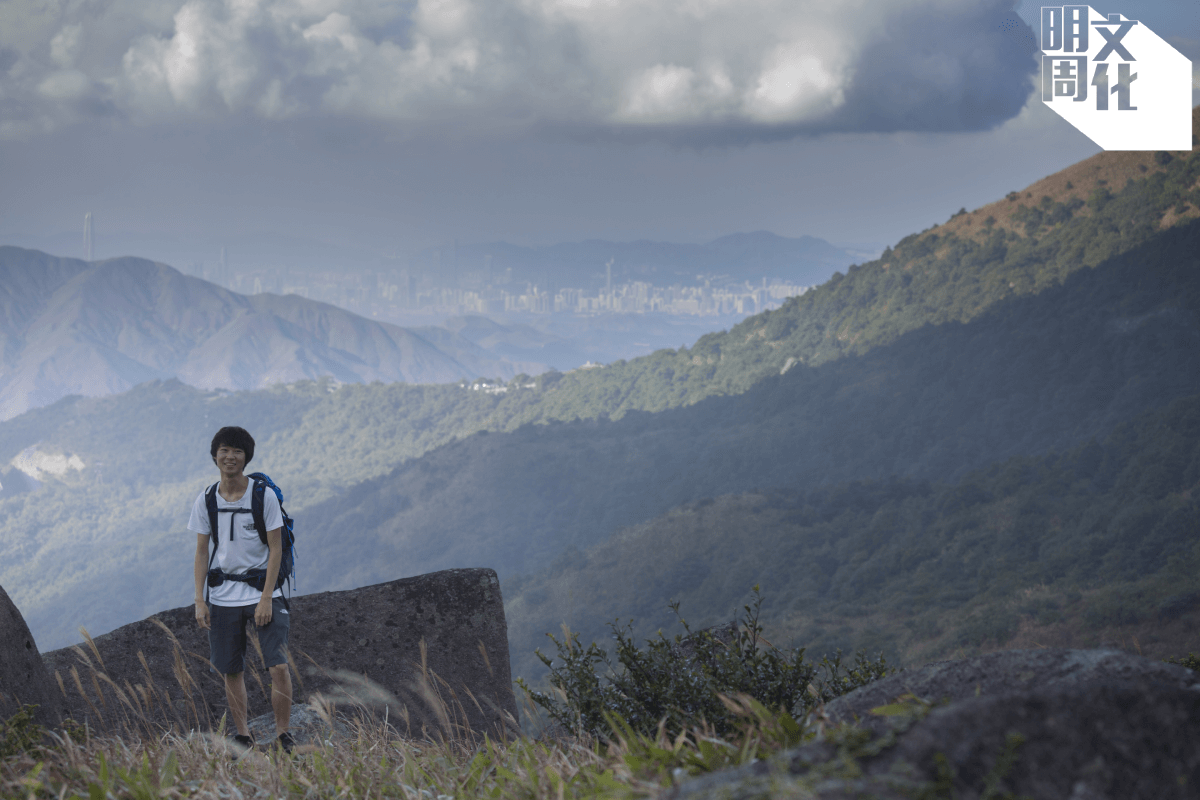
[73, 327]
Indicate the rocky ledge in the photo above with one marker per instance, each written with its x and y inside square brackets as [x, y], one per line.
[430, 653]
[1040, 724]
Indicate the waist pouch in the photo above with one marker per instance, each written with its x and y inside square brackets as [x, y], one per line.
[257, 578]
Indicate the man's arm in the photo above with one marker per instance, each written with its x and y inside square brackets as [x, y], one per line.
[201, 576]
[262, 614]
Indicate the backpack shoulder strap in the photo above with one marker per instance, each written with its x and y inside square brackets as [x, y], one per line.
[256, 508]
[210, 502]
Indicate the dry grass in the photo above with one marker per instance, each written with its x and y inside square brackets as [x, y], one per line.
[374, 762]
[153, 746]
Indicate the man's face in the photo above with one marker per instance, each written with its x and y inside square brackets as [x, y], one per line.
[230, 460]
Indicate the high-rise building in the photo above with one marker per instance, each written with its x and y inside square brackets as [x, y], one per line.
[88, 245]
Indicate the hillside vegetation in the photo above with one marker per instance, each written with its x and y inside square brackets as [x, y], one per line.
[1041, 372]
[1069, 549]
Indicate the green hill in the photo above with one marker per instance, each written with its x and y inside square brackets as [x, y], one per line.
[1040, 372]
[1094, 544]
[1036, 239]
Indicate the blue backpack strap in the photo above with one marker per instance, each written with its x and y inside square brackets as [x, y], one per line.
[287, 564]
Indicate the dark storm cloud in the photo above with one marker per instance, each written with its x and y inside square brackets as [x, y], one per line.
[675, 70]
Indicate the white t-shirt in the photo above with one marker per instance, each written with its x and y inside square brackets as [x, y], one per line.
[245, 552]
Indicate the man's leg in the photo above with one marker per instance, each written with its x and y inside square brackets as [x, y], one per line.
[227, 640]
[281, 697]
[273, 638]
[235, 694]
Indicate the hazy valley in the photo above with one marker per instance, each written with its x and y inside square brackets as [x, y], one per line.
[983, 403]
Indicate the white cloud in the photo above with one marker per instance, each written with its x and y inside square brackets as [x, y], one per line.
[797, 84]
[604, 64]
[67, 84]
[65, 45]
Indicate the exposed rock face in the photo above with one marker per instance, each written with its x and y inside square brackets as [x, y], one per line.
[23, 676]
[364, 642]
[1008, 671]
[1082, 725]
[1122, 740]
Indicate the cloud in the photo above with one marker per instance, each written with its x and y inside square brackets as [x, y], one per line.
[671, 68]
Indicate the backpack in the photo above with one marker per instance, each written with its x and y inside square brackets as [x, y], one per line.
[255, 577]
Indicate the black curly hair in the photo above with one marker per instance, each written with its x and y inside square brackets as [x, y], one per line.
[233, 437]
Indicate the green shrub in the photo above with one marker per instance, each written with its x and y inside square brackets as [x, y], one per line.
[1190, 661]
[682, 681]
[19, 733]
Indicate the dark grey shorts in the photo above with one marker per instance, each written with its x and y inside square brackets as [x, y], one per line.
[227, 639]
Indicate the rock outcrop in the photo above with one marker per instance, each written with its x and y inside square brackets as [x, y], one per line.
[1045, 724]
[1005, 672]
[430, 652]
[23, 676]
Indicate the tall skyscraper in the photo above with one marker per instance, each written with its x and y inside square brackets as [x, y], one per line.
[88, 246]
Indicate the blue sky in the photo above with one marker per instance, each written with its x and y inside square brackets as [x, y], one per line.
[385, 127]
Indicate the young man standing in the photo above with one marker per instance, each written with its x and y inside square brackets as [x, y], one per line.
[234, 601]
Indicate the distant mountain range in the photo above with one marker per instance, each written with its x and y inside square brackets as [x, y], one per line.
[73, 327]
[804, 260]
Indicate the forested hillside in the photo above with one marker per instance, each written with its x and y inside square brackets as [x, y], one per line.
[1041, 372]
[1098, 543]
[947, 355]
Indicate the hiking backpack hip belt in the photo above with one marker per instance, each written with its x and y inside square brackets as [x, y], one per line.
[257, 578]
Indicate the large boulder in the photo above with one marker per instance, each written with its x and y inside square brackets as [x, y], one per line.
[1119, 740]
[428, 652]
[23, 676]
[1047, 725]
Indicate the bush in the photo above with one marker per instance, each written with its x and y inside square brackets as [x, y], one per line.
[681, 682]
[19, 733]
[1190, 661]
